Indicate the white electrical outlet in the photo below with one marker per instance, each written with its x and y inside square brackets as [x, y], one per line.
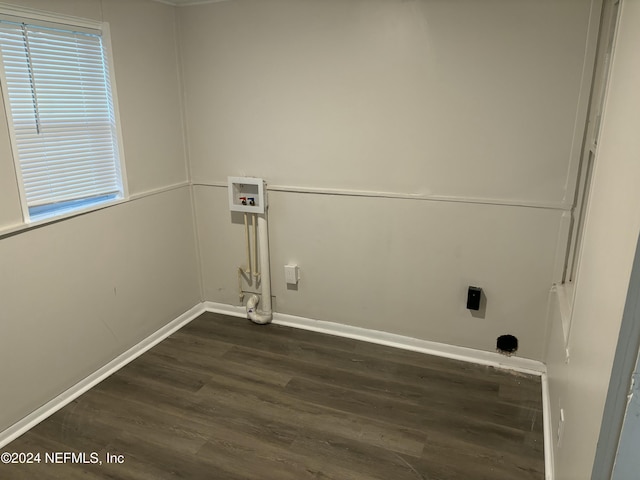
[291, 274]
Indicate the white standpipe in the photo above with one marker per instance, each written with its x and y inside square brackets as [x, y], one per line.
[264, 315]
[247, 270]
[256, 273]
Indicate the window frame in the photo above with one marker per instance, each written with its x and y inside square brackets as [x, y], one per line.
[69, 23]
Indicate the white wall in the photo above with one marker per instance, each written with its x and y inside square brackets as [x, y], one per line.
[145, 57]
[377, 263]
[611, 234]
[470, 101]
[77, 293]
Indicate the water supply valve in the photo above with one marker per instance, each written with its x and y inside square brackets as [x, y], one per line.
[247, 194]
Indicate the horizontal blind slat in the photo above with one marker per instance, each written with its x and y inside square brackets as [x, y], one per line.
[63, 120]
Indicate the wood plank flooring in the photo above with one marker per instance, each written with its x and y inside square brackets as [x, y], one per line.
[226, 399]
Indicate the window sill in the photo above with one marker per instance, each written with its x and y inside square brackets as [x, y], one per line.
[57, 210]
[16, 229]
[23, 227]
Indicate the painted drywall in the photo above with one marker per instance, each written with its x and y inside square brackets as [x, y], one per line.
[556, 358]
[472, 101]
[467, 98]
[378, 265]
[611, 234]
[145, 58]
[76, 293]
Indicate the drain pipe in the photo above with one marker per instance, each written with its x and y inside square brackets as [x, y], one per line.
[265, 314]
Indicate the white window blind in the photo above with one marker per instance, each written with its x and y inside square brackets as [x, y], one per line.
[61, 110]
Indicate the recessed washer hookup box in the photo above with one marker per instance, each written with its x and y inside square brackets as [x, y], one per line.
[246, 194]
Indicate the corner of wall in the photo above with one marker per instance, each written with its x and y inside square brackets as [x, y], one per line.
[184, 121]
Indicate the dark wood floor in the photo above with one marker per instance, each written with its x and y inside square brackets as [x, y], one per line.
[226, 399]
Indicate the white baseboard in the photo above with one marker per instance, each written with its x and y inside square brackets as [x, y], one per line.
[523, 365]
[481, 357]
[224, 309]
[358, 333]
[96, 377]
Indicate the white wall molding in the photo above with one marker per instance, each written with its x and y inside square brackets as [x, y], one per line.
[156, 191]
[96, 377]
[404, 196]
[23, 227]
[523, 365]
[584, 93]
[225, 309]
[547, 429]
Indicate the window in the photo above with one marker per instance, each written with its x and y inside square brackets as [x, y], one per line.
[58, 100]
